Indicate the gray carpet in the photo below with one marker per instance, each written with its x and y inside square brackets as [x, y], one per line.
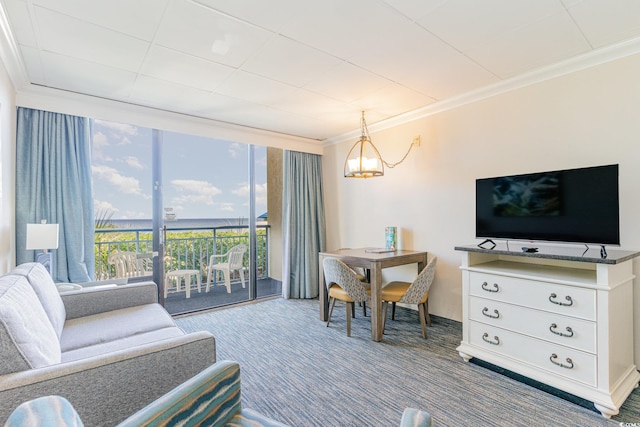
[298, 371]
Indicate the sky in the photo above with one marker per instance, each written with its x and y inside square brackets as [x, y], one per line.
[201, 177]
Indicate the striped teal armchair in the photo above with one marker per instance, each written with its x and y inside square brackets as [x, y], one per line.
[211, 398]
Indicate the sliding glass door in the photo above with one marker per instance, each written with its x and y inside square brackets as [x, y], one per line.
[200, 205]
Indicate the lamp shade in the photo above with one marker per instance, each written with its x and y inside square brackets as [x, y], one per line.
[42, 236]
[363, 160]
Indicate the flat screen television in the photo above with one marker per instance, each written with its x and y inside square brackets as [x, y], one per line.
[572, 206]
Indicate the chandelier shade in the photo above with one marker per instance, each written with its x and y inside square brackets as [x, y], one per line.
[364, 159]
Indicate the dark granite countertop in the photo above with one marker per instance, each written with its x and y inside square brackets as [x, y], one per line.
[561, 252]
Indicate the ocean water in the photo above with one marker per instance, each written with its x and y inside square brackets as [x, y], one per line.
[183, 223]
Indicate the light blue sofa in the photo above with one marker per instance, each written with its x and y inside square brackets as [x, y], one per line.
[109, 351]
[211, 398]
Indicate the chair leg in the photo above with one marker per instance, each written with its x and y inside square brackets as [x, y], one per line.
[426, 308]
[364, 308]
[242, 276]
[385, 304]
[348, 305]
[333, 303]
[393, 311]
[209, 280]
[423, 323]
[353, 309]
[227, 281]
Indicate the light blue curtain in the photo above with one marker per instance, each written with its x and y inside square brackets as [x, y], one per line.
[53, 182]
[303, 224]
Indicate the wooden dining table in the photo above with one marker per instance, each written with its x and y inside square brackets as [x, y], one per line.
[374, 262]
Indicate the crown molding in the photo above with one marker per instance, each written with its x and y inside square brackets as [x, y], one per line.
[10, 53]
[60, 101]
[577, 63]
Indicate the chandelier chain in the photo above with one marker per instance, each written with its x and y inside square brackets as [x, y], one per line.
[393, 165]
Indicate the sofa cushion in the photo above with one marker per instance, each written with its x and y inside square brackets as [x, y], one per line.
[46, 290]
[127, 343]
[113, 325]
[27, 338]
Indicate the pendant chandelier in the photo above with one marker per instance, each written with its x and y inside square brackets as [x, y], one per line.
[364, 159]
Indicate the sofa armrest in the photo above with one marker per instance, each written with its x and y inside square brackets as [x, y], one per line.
[107, 389]
[210, 398]
[91, 301]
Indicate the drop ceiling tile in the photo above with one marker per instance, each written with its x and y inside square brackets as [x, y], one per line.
[466, 24]
[346, 82]
[270, 15]
[86, 77]
[415, 9]
[392, 100]
[20, 21]
[253, 88]
[139, 18]
[177, 67]
[312, 104]
[570, 3]
[424, 63]
[606, 22]
[342, 28]
[200, 31]
[33, 64]
[542, 43]
[167, 95]
[263, 117]
[289, 62]
[78, 39]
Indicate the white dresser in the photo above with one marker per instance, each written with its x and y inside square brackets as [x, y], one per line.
[559, 316]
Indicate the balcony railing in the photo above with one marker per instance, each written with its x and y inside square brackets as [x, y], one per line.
[185, 248]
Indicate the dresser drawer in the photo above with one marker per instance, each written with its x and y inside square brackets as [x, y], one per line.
[568, 331]
[548, 296]
[576, 365]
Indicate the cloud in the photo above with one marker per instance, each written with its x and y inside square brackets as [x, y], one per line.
[120, 128]
[134, 162]
[119, 132]
[100, 142]
[103, 206]
[194, 191]
[135, 215]
[124, 184]
[261, 192]
[235, 149]
[227, 207]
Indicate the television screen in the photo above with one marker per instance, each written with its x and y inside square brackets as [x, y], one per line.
[573, 205]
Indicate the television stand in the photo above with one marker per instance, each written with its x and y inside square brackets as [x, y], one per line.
[564, 319]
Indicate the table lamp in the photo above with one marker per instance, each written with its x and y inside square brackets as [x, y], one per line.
[43, 236]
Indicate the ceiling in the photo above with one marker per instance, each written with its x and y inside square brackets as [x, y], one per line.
[300, 67]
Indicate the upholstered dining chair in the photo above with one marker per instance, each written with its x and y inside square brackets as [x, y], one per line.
[229, 262]
[343, 284]
[416, 292]
[361, 274]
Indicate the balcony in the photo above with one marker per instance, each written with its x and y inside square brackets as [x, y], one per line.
[190, 249]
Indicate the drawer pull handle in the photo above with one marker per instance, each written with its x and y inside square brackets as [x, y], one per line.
[485, 286]
[562, 334]
[552, 298]
[562, 365]
[496, 340]
[496, 314]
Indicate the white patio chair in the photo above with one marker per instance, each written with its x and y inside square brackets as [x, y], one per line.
[234, 258]
[131, 264]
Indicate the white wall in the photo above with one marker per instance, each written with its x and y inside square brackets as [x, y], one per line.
[590, 117]
[7, 171]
